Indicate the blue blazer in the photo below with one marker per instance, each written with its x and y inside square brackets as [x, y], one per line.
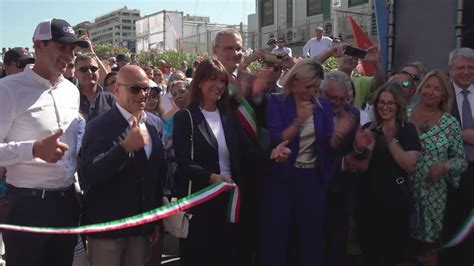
[281, 113]
[117, 184]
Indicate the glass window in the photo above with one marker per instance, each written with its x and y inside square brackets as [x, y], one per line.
[313, 7]
[357, 2]
[266, 12]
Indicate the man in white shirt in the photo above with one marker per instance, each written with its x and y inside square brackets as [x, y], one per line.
[317, 44]
[281, 49]
[38, 137]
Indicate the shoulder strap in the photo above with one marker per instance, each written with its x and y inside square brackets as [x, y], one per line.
[190, 183]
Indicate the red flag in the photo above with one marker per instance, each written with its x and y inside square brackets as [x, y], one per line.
[362, 41]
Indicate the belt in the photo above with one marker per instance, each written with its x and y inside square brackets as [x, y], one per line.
[42, 193]
[304, 165]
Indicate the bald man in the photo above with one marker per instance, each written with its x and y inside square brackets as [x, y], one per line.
[122, 172]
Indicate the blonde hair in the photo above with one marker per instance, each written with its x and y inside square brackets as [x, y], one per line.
[307, 70]
[445, 104]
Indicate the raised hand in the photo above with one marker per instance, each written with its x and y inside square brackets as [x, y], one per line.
[372, 55]
[363, 139]
[281, 152]
[136, 138]
[50, 149]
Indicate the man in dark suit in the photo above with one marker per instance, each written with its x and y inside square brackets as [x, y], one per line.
[122, 172]
[461, 200]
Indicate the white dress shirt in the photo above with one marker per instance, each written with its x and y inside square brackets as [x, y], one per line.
[460, 98]
[129, 117]
[213, 119]
[315, 47]
[31, 108]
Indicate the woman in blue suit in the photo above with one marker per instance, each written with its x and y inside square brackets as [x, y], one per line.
[295, 186]
[218, 148]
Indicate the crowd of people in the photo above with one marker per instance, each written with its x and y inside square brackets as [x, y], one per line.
[332, 169]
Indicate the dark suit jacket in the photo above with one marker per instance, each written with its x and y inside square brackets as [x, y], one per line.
[281, 113]
[117, 184]
[206, 157]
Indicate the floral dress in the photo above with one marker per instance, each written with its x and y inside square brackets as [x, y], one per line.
[441, 143]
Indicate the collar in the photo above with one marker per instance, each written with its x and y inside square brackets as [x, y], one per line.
[458, 90]
[41, 80]
[128, 116]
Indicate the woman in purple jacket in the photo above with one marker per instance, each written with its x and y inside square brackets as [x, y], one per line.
[295, 186]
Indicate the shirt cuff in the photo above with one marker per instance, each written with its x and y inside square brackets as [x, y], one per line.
[25, 150]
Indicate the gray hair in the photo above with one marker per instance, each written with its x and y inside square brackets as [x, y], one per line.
[226, 32]
[465, 52]
[83, 57]
[337, 76]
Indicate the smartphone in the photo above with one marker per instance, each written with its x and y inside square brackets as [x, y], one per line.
[80, 32]
[272, 59]
[355, 52]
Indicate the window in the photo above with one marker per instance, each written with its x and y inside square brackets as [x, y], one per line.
[289, 13]
[313, 7]
[266, 12]
[357, 2]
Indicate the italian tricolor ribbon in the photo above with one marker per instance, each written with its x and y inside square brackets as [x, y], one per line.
[463, 233]
[172, 208]
[246, 115]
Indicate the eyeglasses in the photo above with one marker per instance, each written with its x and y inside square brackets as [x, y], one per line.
[407, 84]
[388, 104]
[337, 99]
[134, 89]
[84, 69]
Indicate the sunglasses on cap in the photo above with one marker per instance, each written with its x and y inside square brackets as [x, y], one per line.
[406, 84]
[135, 89]
[84, 69]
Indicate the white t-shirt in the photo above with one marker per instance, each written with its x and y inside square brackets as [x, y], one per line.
[315, 47]
[214, 121]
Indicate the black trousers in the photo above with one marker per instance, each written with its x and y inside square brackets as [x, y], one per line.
[48, 210]
[460, 203]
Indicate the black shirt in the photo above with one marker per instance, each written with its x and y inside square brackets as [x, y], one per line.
[102, 102]
[381, 178]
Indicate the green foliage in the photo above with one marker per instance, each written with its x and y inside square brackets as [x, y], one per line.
[172, 57]
[106, 50]
[332, 63]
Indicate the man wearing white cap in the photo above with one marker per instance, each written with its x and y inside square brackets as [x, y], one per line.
[38, 137]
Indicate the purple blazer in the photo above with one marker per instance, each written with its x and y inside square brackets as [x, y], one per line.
[281, 113]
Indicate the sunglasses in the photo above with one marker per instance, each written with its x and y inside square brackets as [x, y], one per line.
[407, 84]
[134, 89]
[84, 69]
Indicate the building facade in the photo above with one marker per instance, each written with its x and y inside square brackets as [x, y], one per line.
[116, 27]
[296, 20]
[162, 30]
